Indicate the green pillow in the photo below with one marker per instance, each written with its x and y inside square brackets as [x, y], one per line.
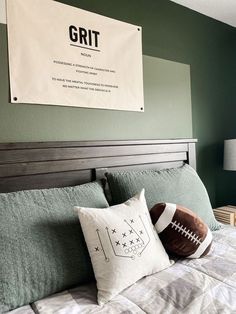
[176, 185]
[42, 248]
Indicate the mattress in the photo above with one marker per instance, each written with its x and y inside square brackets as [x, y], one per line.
[206, 285]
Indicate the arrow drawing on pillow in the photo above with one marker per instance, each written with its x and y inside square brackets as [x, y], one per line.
[105, 256]
[147, 235]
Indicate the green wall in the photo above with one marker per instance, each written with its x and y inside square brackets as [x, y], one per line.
[170, 32]
[226, 180]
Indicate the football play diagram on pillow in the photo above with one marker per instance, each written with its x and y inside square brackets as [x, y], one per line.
[128, 241]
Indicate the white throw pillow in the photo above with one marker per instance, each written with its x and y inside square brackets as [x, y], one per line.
[123, 245]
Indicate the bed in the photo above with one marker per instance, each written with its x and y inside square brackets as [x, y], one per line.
[205, 285]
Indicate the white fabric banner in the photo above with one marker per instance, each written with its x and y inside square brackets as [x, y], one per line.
[61, 55]
[3, 18]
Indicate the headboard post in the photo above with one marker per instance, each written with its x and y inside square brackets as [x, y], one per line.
[192, 155]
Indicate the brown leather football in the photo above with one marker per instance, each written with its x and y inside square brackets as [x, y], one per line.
[181, 231]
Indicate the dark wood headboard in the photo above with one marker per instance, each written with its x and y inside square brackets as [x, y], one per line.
[56, 164]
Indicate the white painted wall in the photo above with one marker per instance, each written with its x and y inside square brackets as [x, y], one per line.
[3, 18]
[221, 10]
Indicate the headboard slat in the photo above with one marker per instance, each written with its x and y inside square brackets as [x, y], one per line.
[100, 172]
[47, 180]
[28, 145]
[23, 169]
[68, 153]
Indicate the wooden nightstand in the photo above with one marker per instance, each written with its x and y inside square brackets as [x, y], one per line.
[226, 214]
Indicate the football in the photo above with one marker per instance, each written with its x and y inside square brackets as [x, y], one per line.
[181, 231]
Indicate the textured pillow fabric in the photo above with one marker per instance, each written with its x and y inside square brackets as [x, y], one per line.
[123, 245]
[42, 248]
[181, 231]
[175, 185]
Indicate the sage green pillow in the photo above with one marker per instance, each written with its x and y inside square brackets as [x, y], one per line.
[176, 185]
[42, 248]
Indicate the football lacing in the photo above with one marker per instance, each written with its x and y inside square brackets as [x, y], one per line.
[186, 232]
